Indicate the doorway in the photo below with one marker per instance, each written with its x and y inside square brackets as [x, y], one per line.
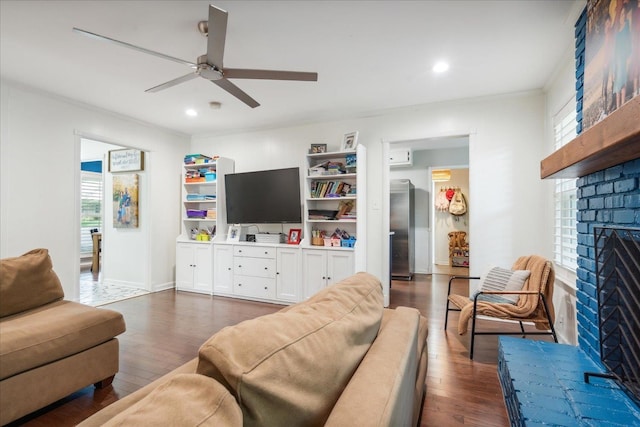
[450, 237]
[92, 289]
[451, 152]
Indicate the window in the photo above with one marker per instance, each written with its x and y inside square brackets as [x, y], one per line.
[90, 208]
[565, 198]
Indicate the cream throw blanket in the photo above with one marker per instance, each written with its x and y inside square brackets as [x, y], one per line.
[528, 307]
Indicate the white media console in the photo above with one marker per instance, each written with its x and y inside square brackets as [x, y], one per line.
[270, 271]
[279, 273]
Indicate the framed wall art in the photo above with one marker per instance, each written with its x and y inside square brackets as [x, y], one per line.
[127, 160]
[125, 198]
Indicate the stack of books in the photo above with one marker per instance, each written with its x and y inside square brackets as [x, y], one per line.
[196, 197]
[320, 214]
[194, 159]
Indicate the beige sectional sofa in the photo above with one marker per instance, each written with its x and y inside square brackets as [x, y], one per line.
[49, 347]
[337, 359]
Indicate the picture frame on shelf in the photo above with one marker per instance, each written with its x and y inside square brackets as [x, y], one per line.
[318, 148]
[234, 233]
[294, 236]
[350, 141]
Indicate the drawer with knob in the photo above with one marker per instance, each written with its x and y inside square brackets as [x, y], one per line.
[257, 287]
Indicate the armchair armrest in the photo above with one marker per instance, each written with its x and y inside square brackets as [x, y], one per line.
[510, 292]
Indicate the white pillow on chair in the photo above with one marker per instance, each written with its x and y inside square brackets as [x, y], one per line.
[502, 279]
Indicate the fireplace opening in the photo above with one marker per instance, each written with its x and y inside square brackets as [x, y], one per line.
[617, 255]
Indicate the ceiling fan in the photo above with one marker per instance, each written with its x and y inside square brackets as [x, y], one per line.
[210, 65]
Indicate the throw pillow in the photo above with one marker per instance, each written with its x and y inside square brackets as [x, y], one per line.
[289, 368]
[502, 279]
[28, 281]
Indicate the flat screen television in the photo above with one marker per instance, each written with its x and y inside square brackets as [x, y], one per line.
[264, 197]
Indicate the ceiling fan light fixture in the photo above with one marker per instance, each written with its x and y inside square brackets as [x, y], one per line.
[440, 67]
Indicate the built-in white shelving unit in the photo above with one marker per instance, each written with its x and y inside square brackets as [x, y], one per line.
[333, 180]
[204, 220]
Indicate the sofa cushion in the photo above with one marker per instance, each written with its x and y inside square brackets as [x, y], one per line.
[289, 368]
[184, 400]
[51, 332]
[382, 390]
[28, 281]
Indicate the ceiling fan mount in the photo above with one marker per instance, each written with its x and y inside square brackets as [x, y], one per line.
[203, 28]
[209, 72]
[210, 65]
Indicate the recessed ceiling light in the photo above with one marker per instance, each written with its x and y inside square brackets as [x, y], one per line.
[440, 67]
[191, 112]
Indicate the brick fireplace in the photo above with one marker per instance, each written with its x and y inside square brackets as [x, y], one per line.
[607, 198]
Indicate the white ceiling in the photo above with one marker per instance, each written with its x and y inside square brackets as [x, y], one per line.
[371, 56]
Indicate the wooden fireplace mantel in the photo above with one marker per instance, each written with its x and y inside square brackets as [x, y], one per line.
[614, 140]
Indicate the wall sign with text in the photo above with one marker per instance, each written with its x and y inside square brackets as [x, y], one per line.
[126, 160]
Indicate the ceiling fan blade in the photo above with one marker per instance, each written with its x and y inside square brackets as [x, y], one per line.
[237, 92]
[241, 73]
[173, 82]
[217, 34]
[130, 46]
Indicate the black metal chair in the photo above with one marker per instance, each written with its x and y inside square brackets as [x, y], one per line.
[535, 303]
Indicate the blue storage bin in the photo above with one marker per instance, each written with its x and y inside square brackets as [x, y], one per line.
[348, 243]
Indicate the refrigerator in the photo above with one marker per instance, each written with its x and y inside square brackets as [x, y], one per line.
[402, 225]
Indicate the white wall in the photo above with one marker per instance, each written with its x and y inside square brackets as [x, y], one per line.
[506, 145]
[39, 193]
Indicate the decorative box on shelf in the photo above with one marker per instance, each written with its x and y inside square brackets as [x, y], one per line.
[331, 241]
[196, 213]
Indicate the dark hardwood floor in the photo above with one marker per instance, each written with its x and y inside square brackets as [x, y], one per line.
[165, 330]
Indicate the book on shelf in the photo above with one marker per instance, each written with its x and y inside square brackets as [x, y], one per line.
[321, 214]
[320, 189]
[194, 159]
[195, 197]
[344, 209]
[350, 160]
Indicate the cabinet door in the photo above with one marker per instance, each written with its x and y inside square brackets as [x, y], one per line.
[314, 267]
[223, 269]
[339, 265]
[203, 268]
[184, 266]
[288, 275]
